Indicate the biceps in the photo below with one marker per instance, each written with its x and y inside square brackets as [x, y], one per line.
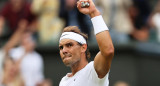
[102, 65]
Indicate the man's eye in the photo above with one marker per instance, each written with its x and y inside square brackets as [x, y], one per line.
[61, 47]
[69, 45]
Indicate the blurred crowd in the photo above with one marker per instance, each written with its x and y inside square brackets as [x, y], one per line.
[27, 23]
[128, 19]
[131, 20]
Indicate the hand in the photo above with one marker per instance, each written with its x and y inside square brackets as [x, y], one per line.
[91, 10]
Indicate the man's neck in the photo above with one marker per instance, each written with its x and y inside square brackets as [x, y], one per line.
[77, 67]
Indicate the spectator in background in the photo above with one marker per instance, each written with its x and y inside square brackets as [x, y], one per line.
[139, 13]
[31, 63]
[155, 20]
[9, 70]
[14, 13]
[11, 75]
[72, 17]
[49, 24]
[12, 42]
[115, 14]
[46, 82]
[121, 83]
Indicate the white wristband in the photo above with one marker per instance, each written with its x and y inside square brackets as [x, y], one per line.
[99, 24]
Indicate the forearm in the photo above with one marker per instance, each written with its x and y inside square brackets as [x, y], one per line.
[103, 59]
[105, 44]
[102, 35]
[13, 41]
[100, 28]
[15, 38]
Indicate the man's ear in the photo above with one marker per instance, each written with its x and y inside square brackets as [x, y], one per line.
[84, 48]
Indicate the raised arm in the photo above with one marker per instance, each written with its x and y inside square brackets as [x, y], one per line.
[102, 61]
[16, 37]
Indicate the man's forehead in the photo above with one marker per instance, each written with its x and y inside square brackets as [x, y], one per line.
[65, 41]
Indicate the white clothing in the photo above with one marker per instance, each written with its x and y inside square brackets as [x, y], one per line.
[31, 66]
[156, 21]
[85, 77]
[2, 55]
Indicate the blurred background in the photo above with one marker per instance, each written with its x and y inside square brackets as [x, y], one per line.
[30, 31]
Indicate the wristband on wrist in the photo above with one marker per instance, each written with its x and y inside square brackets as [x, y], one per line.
[99, 24]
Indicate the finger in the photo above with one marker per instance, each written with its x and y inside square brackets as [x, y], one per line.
[78, 4]
[83, 4]
[84, 1]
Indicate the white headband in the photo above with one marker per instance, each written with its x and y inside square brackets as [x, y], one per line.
[73, 36]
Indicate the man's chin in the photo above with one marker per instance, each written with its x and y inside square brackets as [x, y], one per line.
[67, 64]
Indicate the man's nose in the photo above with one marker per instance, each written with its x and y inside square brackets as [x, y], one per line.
[64, 50]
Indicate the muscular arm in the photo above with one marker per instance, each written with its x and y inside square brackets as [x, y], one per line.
[102, 61]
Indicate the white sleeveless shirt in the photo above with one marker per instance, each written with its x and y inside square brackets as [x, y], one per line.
[85, 77]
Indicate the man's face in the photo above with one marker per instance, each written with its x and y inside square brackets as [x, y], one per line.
[70, 52]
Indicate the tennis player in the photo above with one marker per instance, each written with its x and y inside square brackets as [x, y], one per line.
[74, 51]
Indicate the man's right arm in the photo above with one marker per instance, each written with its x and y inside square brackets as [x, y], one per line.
[103, 59]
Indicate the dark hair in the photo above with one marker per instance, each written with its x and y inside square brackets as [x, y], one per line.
[77, 30]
